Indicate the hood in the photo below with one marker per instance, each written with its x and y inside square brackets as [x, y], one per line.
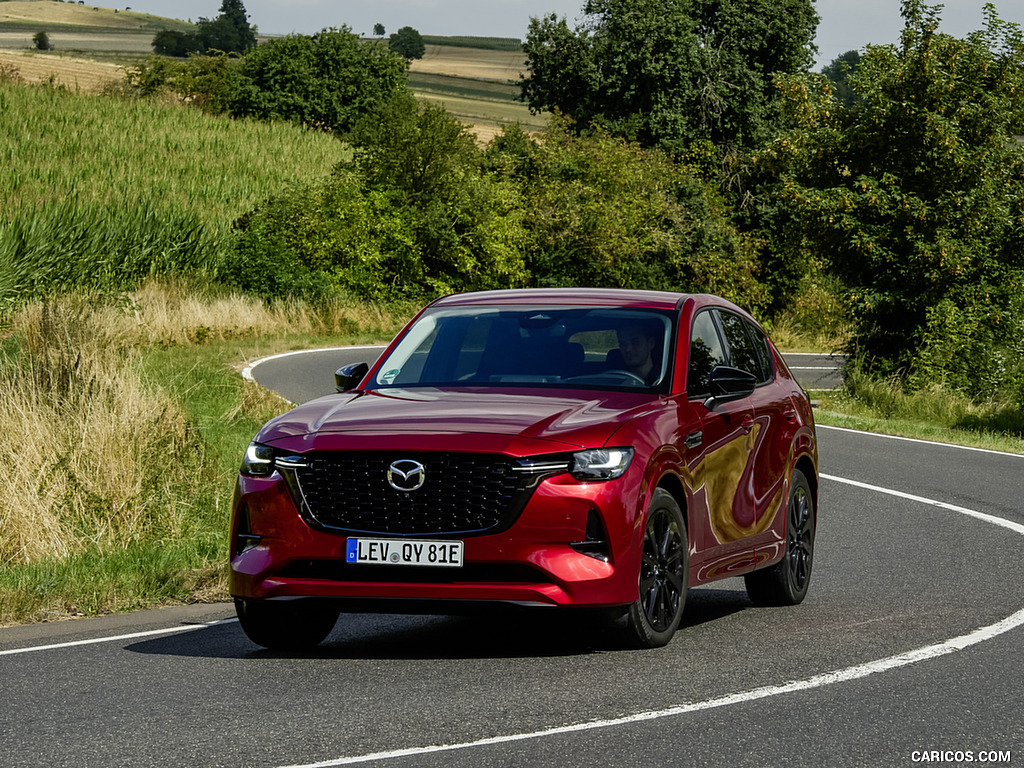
[571, 418]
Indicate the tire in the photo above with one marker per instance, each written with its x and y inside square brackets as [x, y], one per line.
[292, 625]
[664, 575]
[786, 582]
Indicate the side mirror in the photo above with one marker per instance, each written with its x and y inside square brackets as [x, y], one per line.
[348, 377]
[730, 384]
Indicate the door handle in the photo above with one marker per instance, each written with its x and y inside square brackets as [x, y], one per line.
[747, 424]
[694, 439]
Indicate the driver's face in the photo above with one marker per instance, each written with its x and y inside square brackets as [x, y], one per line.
[636, 347]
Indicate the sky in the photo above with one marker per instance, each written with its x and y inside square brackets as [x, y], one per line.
[845, 24]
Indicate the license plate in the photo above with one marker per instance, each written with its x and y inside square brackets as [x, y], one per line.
[443, 554]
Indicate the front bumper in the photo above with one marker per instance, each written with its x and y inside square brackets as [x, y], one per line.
[276, 554]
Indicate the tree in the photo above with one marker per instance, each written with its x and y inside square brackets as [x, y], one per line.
[41, 40]
[172, 43]
[378, 30]
[915, 196]
[234, 16]
[230, 32]
[328, 80]
[670, 72]
[838, 73]
[601, 211]
[407, 42]
[412, 214]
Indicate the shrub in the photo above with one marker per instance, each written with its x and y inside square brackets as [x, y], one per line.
[914, 196]
[604, 212]
[412, 215]
[328, 80]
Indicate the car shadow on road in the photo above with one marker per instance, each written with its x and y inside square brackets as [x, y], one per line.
[524, 633]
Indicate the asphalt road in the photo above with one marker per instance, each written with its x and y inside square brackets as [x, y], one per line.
[909, 642]
[302, 376]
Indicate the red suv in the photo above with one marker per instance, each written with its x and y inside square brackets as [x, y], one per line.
[554, 447]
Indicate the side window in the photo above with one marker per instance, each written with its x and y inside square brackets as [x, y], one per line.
[706, 351]
[741, 348]
[764, 352]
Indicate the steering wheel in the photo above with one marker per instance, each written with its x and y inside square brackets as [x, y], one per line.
[626, 375]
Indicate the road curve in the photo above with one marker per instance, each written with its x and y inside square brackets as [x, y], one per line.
[907, 644]
[304, 375]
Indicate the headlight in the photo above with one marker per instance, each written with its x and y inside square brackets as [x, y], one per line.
[258, 461]
[601, 464]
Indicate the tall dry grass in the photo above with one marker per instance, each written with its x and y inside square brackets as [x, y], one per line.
[99, 457]
[94, 457]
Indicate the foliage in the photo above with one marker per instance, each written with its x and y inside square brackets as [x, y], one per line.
[670, 72]
[407, 42]
[230, 32]
[328, 80]
[600, 211]
[410, 215]
[838, 73]
[915, 196]
[172, 42]
[378, 30]
[41, 40]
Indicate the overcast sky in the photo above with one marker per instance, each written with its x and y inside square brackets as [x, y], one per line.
[845, 24]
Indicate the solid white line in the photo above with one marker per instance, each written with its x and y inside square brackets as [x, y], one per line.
[247, 371]
[918, 440]
[1015, 527]
[817, 681]
[115, 638]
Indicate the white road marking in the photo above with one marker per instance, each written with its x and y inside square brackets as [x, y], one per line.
[115, 638]
[247, 371]
[817, 681]
[919, 440]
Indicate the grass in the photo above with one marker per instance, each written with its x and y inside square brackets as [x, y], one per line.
[99, 192]
[931, 414]
[487, 105]
[20, 14]
[138, 418]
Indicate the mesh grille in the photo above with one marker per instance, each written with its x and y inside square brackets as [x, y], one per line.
[462, 493]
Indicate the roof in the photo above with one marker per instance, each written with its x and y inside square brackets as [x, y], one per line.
[610, 297]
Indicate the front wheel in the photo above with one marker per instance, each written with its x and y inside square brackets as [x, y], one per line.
[786, 582]
[291, 625]
[664, 575]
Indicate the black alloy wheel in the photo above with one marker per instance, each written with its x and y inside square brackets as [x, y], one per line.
[664, 574]
[786, 582]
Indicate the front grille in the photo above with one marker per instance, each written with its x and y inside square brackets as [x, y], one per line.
[462, 493]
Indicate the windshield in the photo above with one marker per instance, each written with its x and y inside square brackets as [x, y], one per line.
[576, 347]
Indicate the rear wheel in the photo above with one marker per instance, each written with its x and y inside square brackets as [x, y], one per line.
[664, 575]
[786, 582]
[285, 625]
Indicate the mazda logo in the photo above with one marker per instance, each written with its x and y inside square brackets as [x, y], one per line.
[406, 475]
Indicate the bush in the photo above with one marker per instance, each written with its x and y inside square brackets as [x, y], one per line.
[412, 215]
[327, 81]
[914, 196]
[605, 212]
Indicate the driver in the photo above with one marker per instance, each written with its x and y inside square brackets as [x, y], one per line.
[637, 343]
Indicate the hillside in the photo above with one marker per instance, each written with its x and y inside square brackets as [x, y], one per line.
[29, 14]
[92, 45]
